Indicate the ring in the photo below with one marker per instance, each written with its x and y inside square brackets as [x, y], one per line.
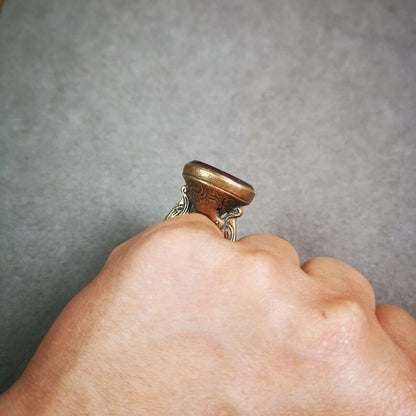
[214, 193]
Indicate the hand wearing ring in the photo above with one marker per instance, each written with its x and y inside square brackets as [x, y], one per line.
[181, 322]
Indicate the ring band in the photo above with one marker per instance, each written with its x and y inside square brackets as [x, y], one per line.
[214, 193]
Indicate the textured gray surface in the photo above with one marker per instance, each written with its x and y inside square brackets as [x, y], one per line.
[102, 102]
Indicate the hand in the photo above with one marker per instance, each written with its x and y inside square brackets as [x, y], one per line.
[181, 321]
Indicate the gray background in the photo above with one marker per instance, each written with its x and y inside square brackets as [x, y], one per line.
[102, 102]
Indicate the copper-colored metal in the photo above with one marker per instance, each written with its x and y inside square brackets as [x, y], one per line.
[214, 193]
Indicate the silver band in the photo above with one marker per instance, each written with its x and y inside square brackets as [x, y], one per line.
[227, 222]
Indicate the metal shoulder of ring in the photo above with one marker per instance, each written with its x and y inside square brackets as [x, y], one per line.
[182, 207]
[214, 193]
[226, 223]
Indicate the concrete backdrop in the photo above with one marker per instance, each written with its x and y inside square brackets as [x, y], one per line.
[102, 102]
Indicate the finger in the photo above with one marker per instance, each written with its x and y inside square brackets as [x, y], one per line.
[341, 280]
[271, 244]
[195, 223]
[400, 326]
[194, 220]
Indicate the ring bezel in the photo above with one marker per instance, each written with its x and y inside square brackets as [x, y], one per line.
[222, 181]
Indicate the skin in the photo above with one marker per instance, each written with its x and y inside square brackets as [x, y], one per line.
[181, 321]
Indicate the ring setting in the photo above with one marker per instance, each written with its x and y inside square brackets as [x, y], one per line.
[214, 193]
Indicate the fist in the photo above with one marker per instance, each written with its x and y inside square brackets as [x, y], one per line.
[181, 321]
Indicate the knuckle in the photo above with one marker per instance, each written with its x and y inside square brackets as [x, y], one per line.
[174, 243]
[348, 312]
[262, 261]
[152, 240]
[260, 268]
[186, 227]
[321, 264]
[177, 240]
[343, 325]
[260, 256]
[117, 251]
[342, 277]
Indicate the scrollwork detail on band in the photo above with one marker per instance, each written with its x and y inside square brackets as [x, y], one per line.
[201, 193]
[182, 207]
[229, 226]
[226, 222]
